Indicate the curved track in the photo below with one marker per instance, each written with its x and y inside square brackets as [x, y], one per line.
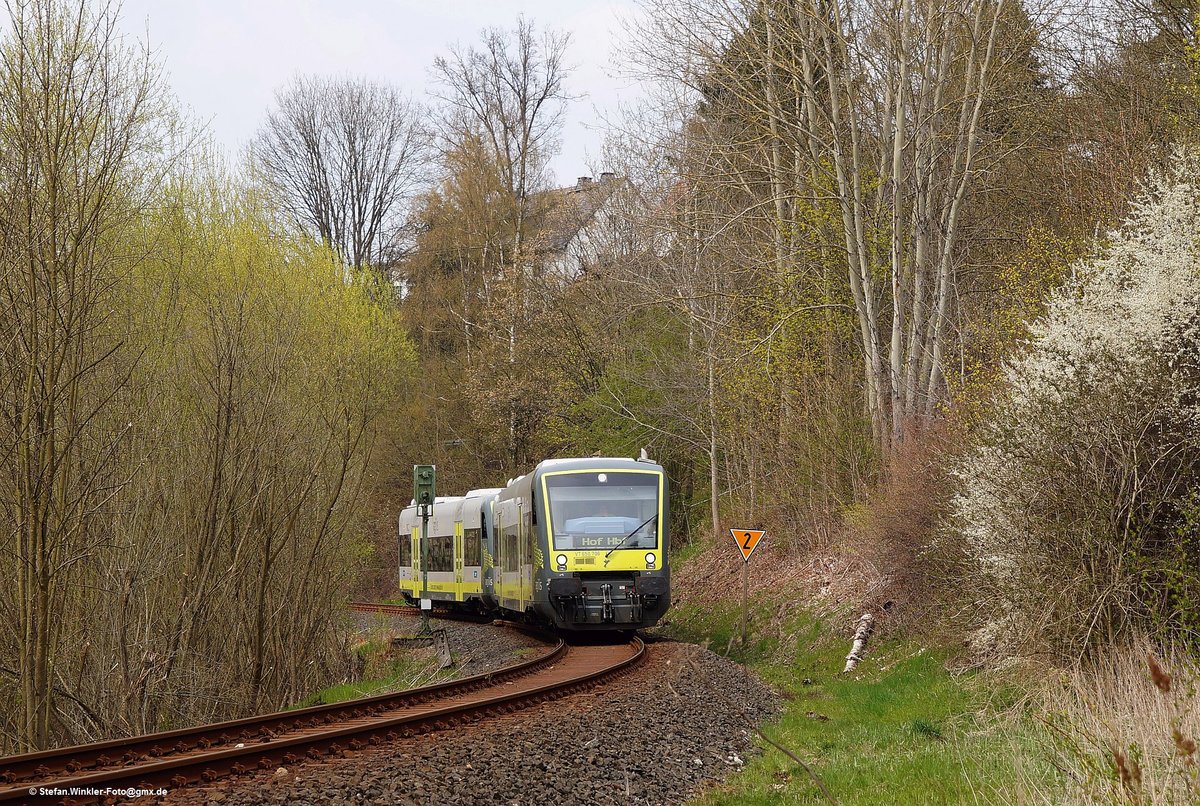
[389, 609]
[176, 759]
[409, 610]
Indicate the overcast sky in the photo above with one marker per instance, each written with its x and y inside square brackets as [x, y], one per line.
[225, 58]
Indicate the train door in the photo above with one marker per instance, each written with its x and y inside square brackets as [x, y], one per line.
[403, 557]
[487, 569]
[531, 552]
[508, 587]
[416, 561]
[519, 527]
[458, 560]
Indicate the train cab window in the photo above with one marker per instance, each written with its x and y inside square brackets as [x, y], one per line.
[406, 551]
[601, 510]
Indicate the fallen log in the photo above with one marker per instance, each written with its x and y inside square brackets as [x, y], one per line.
[865, 624]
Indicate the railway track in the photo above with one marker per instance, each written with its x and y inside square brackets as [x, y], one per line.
[409, 610]
[176, 759]
[390, 609]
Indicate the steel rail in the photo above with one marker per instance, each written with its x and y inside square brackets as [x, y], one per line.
[409, 610]
[33, 766]
[376, 607]
[556, 674]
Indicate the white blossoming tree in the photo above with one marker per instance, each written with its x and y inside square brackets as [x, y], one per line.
[1077, 505]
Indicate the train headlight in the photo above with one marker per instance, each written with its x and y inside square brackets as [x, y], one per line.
[562, 562]
[650, 558]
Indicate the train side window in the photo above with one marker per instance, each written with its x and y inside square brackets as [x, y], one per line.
[530, 539]
[498, 533]
[406, 550]
[510, 546]
[441, 553]
[472, 547]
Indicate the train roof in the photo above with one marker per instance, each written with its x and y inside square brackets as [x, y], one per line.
[441, 499]
[596, 463]
[547, 466]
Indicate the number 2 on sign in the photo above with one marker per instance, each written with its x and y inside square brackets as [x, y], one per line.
[747, 540]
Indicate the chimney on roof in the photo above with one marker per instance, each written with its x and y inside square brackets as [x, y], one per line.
[584, 183]
[607, 177]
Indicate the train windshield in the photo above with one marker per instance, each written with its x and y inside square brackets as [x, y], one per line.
[595, 510]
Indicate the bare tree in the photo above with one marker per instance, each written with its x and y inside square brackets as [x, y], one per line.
[77, 123]
[342, 157]
[507, 96]
[511, 91]
[869, 113]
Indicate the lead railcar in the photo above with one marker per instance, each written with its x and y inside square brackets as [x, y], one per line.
[582, 544]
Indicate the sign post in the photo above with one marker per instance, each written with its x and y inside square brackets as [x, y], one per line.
[747, 541]
[424, 494]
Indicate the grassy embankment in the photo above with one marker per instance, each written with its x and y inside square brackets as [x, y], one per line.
[900, 729]
[384, 668]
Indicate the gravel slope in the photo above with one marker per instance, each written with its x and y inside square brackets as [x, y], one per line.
[502, 647]
[655, 735]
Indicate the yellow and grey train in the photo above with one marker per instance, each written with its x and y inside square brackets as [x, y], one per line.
[578, 543]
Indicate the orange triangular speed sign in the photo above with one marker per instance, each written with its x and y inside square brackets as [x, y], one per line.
[747, 540]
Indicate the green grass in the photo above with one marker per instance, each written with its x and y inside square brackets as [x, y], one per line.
[386, 671]
[684, 553]
[404, 674]
[900, 729]
[346, 691]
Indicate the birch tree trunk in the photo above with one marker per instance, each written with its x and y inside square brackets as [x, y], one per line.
[925, 68]
[858, 646]
[882, 105]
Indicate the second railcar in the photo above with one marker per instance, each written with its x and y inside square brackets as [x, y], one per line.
[455, 550]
